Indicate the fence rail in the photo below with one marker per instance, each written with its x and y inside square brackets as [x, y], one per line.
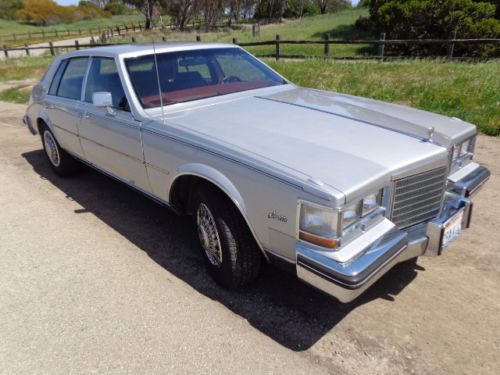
[61, 33]
[278, 43]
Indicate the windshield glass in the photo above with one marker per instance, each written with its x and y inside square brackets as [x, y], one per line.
[197, 74]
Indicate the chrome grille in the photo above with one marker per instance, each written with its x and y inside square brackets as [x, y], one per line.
[417, 198]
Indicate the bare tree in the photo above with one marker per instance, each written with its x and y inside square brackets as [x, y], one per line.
[147, 7]
[181, 11]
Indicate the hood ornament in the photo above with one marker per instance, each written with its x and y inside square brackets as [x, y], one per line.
[430, 133]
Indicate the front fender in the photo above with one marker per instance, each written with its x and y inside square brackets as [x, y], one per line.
[222, 182]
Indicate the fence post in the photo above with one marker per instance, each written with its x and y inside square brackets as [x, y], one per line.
[235, 41]
[118, 30]
[92, 40]
[77, 45]
[27, 50]
[253, 31]
[451, 46]
[5, 51]
[51, 45]
[133, 39]
[277, 47]
[198, 38]
[163, 39]
[327, 46]
[381, 47]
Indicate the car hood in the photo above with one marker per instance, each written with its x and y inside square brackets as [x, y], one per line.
[351, 144]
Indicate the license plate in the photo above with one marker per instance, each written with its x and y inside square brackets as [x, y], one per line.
[452, 229]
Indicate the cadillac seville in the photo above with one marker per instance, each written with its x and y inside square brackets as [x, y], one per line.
[335, 187]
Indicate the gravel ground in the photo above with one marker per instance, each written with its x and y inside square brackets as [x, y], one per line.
[96, 278]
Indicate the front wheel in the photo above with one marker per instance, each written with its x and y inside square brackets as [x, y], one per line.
[230, 251]
[60, 161]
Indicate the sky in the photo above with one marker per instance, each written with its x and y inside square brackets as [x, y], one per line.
[74, 2]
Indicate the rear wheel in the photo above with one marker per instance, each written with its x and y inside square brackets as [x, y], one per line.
[231, 254]
[60, 161]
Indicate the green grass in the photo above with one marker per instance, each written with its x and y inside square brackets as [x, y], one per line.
[23, 68]
[470, 91]
[337, 25]
[15, 95]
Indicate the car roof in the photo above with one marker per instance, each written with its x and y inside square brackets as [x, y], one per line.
[130, 50]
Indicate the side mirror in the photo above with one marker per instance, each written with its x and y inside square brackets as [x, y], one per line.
[103, 100]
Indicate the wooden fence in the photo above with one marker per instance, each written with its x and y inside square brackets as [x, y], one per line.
[278, 43]
[65, 33]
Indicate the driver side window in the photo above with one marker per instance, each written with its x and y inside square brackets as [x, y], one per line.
[103, 76]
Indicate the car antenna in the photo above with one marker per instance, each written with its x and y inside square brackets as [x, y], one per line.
[158, 81]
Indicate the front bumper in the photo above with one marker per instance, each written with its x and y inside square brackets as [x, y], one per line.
[346, 281]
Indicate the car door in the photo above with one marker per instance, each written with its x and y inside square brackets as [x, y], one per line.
[111, 137]
[62, 103]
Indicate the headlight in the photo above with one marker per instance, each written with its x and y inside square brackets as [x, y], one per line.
[324, 226]
[318, 225]
[354, 212]
[463, 151]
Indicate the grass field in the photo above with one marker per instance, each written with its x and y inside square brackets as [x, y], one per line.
[337, 25]
[470, 91]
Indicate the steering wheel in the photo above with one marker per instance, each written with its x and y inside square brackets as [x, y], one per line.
[230, 79]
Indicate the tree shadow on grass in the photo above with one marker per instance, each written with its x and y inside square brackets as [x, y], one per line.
[350, 32]
[277, 304]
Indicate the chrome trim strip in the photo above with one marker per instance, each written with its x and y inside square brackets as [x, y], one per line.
[314, 192]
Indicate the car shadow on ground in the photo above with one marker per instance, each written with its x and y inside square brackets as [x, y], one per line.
[277, 304]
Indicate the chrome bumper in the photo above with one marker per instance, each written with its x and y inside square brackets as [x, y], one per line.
[346, 281]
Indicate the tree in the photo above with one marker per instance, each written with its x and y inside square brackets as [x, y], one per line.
[436, 19]
[326, 6]
[147, 8]
[181, 11]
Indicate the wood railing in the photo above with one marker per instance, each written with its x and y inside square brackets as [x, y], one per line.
[277, 43]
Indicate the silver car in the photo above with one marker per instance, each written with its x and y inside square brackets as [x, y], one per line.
[337, 188]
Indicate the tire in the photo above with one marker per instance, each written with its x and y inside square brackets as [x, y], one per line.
[238, 262]
[62, 163]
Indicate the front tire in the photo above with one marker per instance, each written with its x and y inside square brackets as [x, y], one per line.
[231, 254]
[62, 163]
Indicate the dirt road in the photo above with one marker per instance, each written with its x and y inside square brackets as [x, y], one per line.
[95, 277]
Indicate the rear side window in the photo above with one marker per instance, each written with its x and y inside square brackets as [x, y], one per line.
[71, 83]
[57, 78]
[103, 76]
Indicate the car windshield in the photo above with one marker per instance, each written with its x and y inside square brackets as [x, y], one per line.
[197, 74]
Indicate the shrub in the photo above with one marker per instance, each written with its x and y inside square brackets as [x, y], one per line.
[116, 8]
[47, 12]
[8, 8]
[435, 19]
[299, 8]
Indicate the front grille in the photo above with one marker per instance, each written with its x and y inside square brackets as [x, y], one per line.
[418, 198]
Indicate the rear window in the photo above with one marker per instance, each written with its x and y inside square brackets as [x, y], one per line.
[71, 82]
[57, 78]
